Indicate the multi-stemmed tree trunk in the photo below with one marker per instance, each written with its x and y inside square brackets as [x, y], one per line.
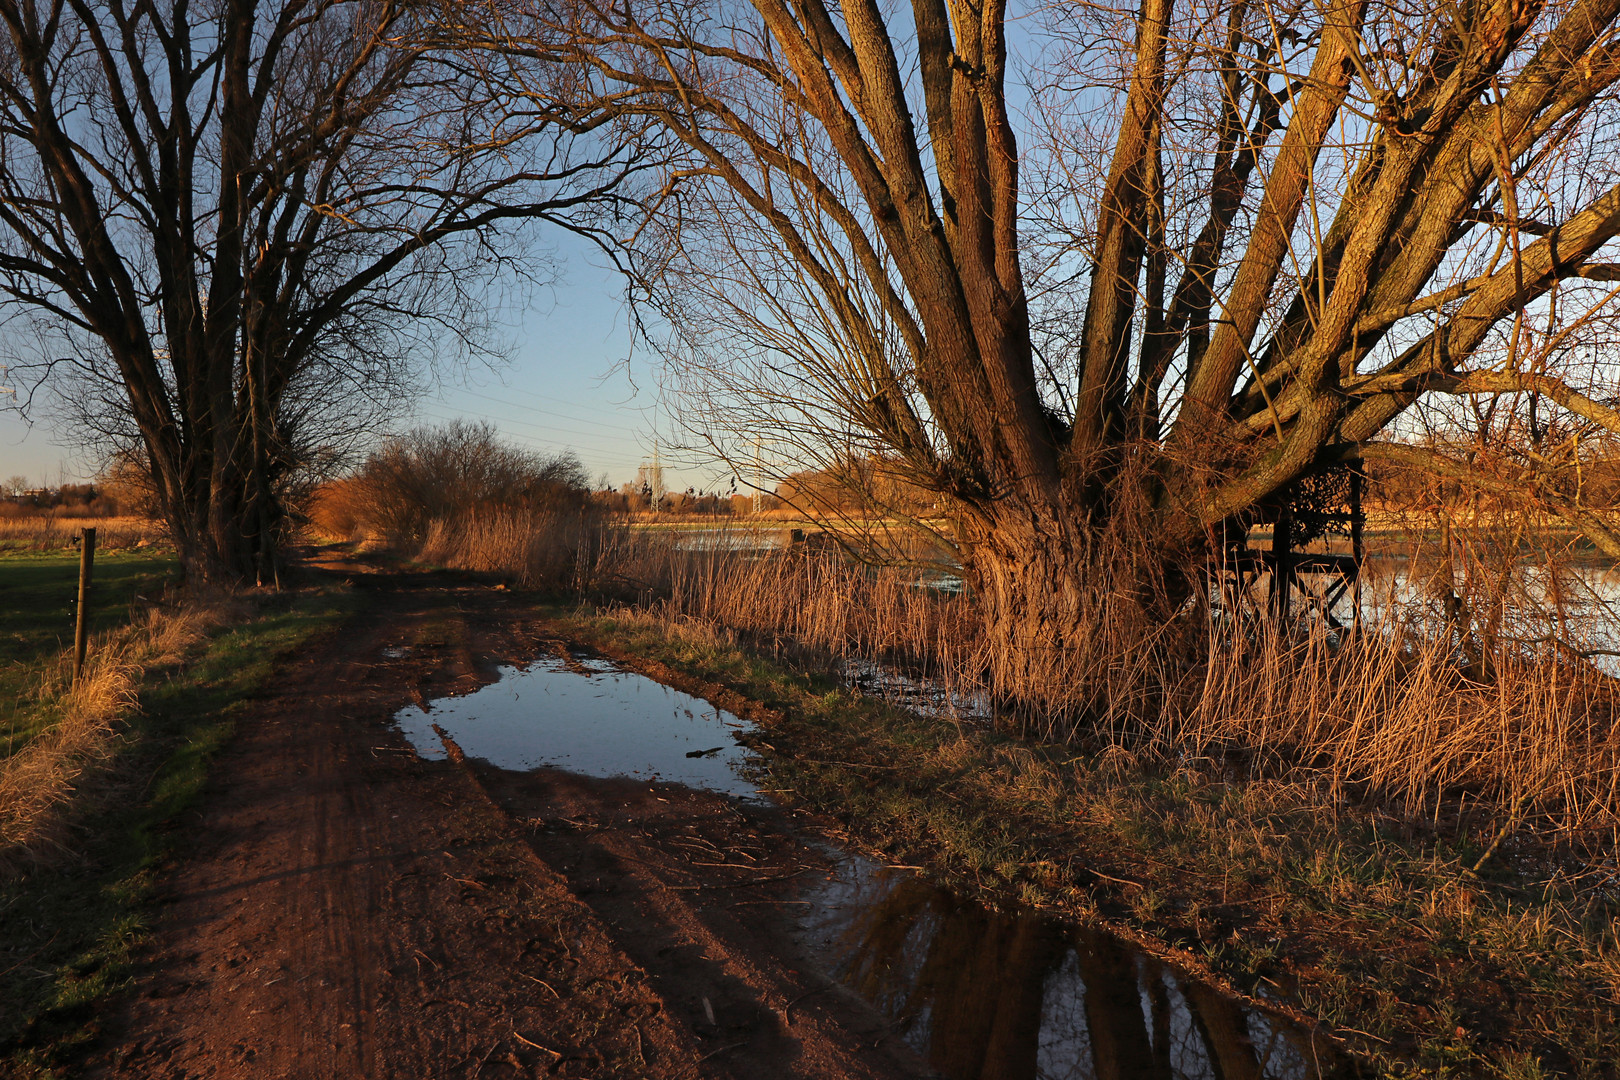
[1296, 223]
[244, 221]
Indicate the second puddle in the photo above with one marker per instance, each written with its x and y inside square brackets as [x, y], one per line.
[986, 995]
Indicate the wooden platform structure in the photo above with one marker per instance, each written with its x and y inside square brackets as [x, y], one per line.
[1320, 504]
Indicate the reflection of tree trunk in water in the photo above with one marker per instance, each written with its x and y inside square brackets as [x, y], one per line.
[981, 980]
[1159, 998]
[1225, 1029]
[878, 936]
[984, 978]
[1120, 1046]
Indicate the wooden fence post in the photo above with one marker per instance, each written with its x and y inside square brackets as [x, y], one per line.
[81, 628]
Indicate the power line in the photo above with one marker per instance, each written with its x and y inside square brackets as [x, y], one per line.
[497, 401]
[616, 458]
[608, 411]
[447, 415]
[593, 404]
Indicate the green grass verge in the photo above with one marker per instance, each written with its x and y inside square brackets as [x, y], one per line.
[1373, 926]
[37, 597]
[67, 935]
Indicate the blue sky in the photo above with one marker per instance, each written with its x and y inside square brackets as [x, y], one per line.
[568, 386]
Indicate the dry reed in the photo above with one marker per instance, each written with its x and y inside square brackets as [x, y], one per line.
[538, 548]
[818, 601]
[38, 783]
[1394, 714]
[1414, 712]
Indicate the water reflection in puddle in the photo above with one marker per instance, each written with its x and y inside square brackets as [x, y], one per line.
[985, 995]
[982, 995]
[924, 696]
[595, 719]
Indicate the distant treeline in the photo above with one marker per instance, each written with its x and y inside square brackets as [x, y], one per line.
[874, 486]
[864, 486]
[69, 500]
[1399, 489]
[633, 500]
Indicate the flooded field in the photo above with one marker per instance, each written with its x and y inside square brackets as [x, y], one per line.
[976, 992]
[922, 695]
[728, 538]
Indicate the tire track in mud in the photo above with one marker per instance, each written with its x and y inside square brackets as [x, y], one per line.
[346, 909]
[700, 893]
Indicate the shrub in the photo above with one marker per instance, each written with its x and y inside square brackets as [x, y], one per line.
[458, 496]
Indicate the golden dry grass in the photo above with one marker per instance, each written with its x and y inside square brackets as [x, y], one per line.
[45, 533]
[818, 600]
[38, 783]
[537, 548]
[1526, 732]
[1395, 715]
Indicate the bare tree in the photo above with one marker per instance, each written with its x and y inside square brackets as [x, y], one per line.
[1258, 232]
[245, 221]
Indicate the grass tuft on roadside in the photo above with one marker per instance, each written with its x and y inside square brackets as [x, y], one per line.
[38, 783]
[37, 594]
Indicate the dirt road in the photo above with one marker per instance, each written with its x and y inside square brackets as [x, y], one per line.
[345, 909]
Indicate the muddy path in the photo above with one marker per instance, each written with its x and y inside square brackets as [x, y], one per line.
[342, 908]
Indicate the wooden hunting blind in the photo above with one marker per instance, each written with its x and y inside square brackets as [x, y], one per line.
[1320, 504]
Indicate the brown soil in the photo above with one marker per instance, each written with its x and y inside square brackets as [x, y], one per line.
[346, 909]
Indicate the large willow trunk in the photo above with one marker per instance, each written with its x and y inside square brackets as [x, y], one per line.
[224, 502]
[1084, 625]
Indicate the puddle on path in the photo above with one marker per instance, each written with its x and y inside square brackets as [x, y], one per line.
[983, 994]
[603, 721]
[978, 993]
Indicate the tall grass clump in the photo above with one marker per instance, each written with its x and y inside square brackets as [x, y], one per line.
[1474, 681]
[538, 546]
[457, 496]
[38, 782]
[812, 599]
[1398, 714]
